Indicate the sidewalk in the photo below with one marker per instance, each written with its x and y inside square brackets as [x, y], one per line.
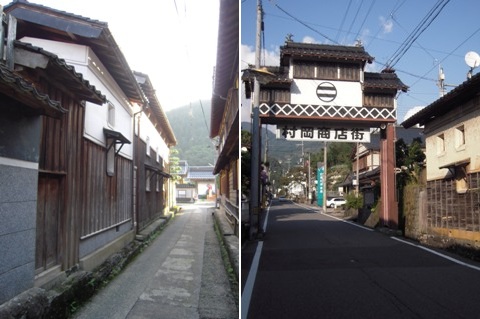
[180, 275]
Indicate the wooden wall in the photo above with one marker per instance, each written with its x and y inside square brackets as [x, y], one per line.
[73, 169]
[150, 204]
[448, 209]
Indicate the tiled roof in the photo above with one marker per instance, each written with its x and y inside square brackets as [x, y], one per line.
[164, 127]
[183, 167]
[201, 173]
[226, 67]
[322, 51]
[383, 81]
[14, 86]
[400, 133]
[279, 79]
[455, 98]
[66, 75]
[47, 23]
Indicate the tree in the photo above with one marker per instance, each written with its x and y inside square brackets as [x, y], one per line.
[174, 161]
[410, 159]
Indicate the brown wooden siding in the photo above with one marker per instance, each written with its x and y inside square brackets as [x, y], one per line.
[150, 204]
[448, 209]
[89, 200]
[107, 199]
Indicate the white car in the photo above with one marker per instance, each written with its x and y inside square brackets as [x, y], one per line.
[335, 202]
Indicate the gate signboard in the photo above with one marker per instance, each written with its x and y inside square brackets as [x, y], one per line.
[323, 133]
[320, 186]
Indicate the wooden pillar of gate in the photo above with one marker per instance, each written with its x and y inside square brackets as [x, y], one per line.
[389, 208]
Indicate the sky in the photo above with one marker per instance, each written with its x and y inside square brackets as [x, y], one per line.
[384, 27]
[174, 42]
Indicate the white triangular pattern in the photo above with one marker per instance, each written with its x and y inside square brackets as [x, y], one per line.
[328, 110]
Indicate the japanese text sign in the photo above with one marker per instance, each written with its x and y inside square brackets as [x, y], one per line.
[322, 133]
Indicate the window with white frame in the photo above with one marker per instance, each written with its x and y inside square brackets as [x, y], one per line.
[111, 114]
[148, 146]
[440, 144]
[158, 154]
[148, 178]
[460, 137]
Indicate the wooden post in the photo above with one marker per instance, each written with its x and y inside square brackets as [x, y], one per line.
[12, 34]
[389, 213]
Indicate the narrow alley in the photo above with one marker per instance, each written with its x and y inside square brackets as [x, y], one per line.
[180, 275]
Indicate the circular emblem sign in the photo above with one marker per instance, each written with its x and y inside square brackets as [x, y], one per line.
[326, 91]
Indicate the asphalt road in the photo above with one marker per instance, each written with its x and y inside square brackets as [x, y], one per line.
[311, 265]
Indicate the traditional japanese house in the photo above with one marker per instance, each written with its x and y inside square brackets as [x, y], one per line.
[85, 157]
[35, 105]
[452, 133]
[225, 112]
[153, 139]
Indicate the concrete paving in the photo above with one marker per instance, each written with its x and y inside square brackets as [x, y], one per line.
[180, 275]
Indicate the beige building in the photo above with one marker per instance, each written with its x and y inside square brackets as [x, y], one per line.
[452, 131]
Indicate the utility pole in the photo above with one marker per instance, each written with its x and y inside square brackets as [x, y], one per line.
[254, 214]
[325, 178]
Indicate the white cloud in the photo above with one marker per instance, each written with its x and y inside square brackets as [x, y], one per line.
[272, 58]
[387, 25]
[309, 39]
[412, 112]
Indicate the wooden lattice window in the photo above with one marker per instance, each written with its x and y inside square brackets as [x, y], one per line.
[378, 100]
[327, 71]
[349, 72]
[304, 71]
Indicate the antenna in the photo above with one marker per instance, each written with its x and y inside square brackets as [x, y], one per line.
[441, 82]
[473, 60]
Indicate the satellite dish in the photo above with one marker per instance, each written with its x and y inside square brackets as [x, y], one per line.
[472, 59]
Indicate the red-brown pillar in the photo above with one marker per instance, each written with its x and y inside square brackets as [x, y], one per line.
[389, 209]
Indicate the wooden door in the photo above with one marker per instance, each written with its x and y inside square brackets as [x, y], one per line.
[49, 207]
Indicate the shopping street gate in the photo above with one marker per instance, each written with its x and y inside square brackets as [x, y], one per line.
[323, 92]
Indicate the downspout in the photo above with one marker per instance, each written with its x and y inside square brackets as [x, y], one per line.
[136, 135]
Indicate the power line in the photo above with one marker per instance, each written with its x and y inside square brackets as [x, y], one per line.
[355, 17]
[343, 20]
[365, 19]
[419, 29]
[302, 23]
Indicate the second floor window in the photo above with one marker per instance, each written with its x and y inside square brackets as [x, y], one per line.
[111, 114]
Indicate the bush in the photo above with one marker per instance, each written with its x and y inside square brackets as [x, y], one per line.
[354, 201]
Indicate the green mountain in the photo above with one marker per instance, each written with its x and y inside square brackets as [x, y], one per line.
[191, 126]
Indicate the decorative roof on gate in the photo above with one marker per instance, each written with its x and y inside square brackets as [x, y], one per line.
[279, 79]
[383, 81]
[308, 51]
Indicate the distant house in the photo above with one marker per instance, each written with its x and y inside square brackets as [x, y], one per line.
[224, 119]
[369, 153]
[204, 180]
[196, 182]
[153, 139]
[452, 131]
[369, 160]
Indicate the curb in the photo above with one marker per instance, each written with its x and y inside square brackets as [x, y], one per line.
[230, 241]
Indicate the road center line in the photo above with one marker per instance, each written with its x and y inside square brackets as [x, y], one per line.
[252, 274]
[437, 253]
